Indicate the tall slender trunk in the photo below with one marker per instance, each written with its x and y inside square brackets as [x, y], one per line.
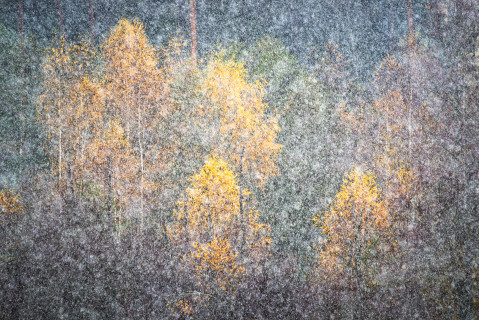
[60, 159]
[243, 20]
[23, 98]
[193, 29]
[109, 191]
[181, 22]
[70, 182]
[60, 16]
[142, 169]
[241, 200]
[92, 20]
[410, 24]
[392, 35]
[20, 21]
[411, 44]
[352, 38]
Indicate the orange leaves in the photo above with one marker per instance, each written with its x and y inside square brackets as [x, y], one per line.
[218, 271]
[10, 206]
[135, 90]
[104, 107]
[214, 227]
[110, 148]
[357, 204]
[213, 221]
[131, 65]
[127, 48]
[388, 73]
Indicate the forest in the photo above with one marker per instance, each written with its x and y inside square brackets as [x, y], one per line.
[239, 159]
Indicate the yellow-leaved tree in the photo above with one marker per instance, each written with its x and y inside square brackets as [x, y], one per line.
[112, 164]
[71, 108]
[10, 209]
[10, 206]
[135, 89]
[212, 209]
[219, 241]
[216, 265]
[392, 162]
[247, 134]
[357, 233]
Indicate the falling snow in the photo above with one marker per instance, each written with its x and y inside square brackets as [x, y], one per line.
[239, 159]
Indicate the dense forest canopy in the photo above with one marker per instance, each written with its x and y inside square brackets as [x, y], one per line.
[239, 159]
[364, 30]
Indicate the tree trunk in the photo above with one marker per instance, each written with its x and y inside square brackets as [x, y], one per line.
[109, 194]
[92, 20]
[352, 38]
[60, 16]
[243, 20]
[193, 29]
[241, 200]
[392, 35]
[411, 44]
[142, 171]
[181, 18]
[410, 24]
[20, 21]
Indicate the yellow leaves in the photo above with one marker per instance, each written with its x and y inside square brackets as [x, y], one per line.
[110, 151]
[214, 221]
[358, 218]
[213, 209]
[248, 135]
[225, 82]
[136, 93]
[110, 143]
[131, 65]
[127, 48]
[213, 200]
[10, 205]
[216, 259]
[71, 106]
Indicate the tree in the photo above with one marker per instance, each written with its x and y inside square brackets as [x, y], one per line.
[357, 231]
[193, 30]
[112, 163]
[212, 209]
[61, 20]
[217, 268]
[221, 243]
[134, 93]
[314, 154]
[92, 20]
[247, 134]
[71, 108]
[11, 212]
[10, 206]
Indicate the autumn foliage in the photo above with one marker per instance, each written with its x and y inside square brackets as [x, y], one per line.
[10, 205]
[357, 227]
[247, 134]
[240, 184]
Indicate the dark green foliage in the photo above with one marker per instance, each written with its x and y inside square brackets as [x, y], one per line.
[20, 137]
